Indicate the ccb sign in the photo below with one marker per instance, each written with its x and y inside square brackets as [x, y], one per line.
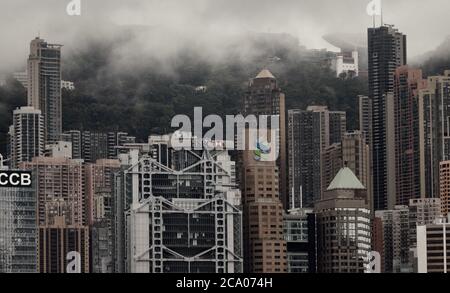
[15, 179]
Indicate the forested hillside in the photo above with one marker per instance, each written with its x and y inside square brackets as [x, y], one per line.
[144, 100]
[141, 96]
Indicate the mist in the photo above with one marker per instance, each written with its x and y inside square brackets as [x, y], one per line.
[211, 27]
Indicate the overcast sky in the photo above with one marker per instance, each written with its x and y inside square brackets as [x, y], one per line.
[425, 22]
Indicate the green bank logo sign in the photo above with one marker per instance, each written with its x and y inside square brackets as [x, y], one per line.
[263, 150]
[15, 179]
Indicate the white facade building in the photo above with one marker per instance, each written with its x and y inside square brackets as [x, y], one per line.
[433, 247]
[59, 149]
[26, 135]
[346, 62]
[68, 85]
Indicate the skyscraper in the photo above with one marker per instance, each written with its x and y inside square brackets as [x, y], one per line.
[264, 244]
[99, 197]
[434, 132]
[338, 126]
[18, 230]
[74, 137]
[387, 51]
[300, 236]
[365, 117]
[264, 97]
[160, 150]
[331, 161]
[26, 135]
[57, 241]
[407, 145]
[44, 85]
[92, 146]
[395, 247]
[352, 152]
[180, 220]
[423, 211]
[356, 156]
[343, 226]
[397, 237]
[61, 212]
[310, 132]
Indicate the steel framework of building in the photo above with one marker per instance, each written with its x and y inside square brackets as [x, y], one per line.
[183, 220]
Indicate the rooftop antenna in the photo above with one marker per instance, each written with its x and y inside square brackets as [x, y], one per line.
[382, 23]
[39, 29]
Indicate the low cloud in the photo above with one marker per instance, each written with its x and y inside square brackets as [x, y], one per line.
[207, 25]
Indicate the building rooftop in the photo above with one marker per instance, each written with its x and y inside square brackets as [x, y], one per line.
[345, 179]
[265, 73]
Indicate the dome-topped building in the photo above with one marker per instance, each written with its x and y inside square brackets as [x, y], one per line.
[344, 207]
[345, 179]
[346, 185]
[265, 73]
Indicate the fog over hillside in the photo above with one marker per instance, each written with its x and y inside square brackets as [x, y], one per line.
[137, 63]
[210, 25]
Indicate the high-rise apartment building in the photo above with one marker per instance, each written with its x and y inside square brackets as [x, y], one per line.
[18, 230]
[387, 51]
[26, 135]
[180, 220]
[365, 118]
[444, 186]
[44, 85]
[407, 141]
[377, 239]
[331, 161]
[264, 98]
[92, 146]
[58, 241]
[396, 233]
[338, 126]
[61, 211]
[122, 199]
[74, 137]
[310, 132]
[356, 156]
[343, 226]
[160, 149]
[300, 236]
[59, 189]
[433, 246]
[423, 211]
[395, 228]
[99, 198]
[434, 132]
